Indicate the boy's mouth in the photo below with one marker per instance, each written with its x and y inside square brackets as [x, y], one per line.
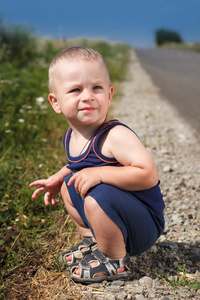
[88, 109]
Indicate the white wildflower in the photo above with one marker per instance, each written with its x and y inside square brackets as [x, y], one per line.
[40, 166]
[40, 100]
[6, 81]
[21, 120]
[18, 167]
[32, 112]
[6, 124]
[7, 131]
[44, 106]
[44, 140]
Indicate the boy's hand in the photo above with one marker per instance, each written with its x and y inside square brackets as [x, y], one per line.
[52, 187]
[85, 179]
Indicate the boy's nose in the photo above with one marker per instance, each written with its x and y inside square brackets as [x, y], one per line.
[87, 95]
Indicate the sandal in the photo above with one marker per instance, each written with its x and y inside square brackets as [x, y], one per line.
[77, 251]
[105, 265]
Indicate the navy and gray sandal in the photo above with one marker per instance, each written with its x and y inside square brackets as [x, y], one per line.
[109, 267]
[77, 252]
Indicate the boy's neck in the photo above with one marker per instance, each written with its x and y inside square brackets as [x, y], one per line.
[87, 131]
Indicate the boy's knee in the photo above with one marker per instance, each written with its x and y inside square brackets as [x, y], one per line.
[90, 205]
[63, 189]
[65, 194]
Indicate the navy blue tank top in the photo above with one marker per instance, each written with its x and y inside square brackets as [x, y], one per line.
[92, 157]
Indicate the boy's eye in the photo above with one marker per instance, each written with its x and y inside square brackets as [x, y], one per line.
[75, 90]
[96, 87]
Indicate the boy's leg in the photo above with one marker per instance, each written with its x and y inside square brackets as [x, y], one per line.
[108, 235]
[112, 244]
[82, 228]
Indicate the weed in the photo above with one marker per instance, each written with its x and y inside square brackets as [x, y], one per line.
[57, 265]
[183, 279]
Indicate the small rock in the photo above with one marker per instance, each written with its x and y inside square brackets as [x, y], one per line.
[112, 288]
[166, 292]
[121, 296]
[139, 297]
[195, 257]
[171, 258]
[167, 169]
[118, 283]
[138, 289]
[190, 216]
[156, 283]
[153, 249]
[183, 293]
[146, 281]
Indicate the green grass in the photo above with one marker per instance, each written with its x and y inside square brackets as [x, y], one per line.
[31, 148]
[182, 279]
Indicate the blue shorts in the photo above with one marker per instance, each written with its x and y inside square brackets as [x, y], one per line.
[140, 225]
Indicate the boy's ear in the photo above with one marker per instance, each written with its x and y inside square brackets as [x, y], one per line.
[54, 103]
[111, 92]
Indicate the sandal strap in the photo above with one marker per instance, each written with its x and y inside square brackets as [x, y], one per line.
[108, 266]
[99, 256]
[76, 252]
[124, 261]
[87, 242]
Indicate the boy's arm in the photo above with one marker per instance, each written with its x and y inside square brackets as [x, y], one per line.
[50, 185]
[137, 173]
[139, 170]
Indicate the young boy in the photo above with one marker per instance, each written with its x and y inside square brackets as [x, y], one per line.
[110, 186]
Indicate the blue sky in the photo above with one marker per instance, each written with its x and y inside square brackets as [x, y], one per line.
[130, 21]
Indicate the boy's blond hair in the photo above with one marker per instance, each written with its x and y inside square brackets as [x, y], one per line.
[74, 53]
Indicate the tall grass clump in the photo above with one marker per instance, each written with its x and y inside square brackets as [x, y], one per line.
[31, 147]
[18, 44]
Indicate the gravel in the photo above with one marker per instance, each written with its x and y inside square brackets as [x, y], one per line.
[175, 147]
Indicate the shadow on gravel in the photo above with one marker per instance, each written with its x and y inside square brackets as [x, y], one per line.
[35, 277]
[165, 258]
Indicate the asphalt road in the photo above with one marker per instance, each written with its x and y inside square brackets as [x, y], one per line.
[177, 74]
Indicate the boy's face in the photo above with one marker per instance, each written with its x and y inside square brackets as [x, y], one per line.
[83, 92]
